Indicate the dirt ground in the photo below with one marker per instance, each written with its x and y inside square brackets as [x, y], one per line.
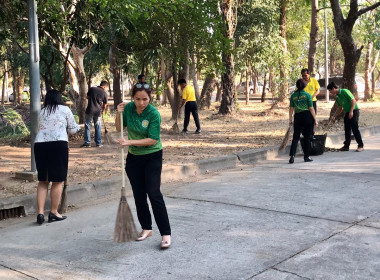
[221, 135]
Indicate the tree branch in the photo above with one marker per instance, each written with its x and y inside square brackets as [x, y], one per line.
[367, 9]
[21, 48]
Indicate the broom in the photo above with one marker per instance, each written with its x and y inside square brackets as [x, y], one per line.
[125, 228]
[286, 138]
[63, 204]
[106, 132]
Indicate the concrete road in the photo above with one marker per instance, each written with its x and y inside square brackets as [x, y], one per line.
[316, 220]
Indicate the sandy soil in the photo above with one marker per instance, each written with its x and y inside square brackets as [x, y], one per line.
[221, 135]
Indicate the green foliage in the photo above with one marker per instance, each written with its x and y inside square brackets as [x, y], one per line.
[12, 124]
[76, 117]
[108, 116]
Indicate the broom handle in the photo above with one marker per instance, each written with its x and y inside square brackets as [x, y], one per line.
[122, 152]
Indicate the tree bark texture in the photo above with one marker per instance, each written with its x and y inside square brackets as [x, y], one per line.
[343, 28]
[163, 75]
[229, 16]
[313, 36]
[115, 70]
[194, 76]
[283, 63]
[207, 90]
[247, 87]
[78, 57]
[264, 93]
[3, 90]
[367, 73]
[272, 84]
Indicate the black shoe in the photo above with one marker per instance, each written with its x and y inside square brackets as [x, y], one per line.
[40, 219]
[53, 218]
[85, 145]
[184, 131]
[344, 149]
[291, 160]
[99, 145]
[198, 131]
[308, 159]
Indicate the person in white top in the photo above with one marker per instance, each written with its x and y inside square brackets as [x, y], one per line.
[51, 152]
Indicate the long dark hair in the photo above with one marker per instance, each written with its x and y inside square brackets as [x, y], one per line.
[300, 84]
[53, 98]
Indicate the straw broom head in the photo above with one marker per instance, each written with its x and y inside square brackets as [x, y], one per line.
[63, 205]
[125, 228]
[286, 138]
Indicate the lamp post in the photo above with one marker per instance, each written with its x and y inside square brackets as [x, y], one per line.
[326, 58]
[34, 76]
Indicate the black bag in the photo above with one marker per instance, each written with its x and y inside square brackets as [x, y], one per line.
[317, 144]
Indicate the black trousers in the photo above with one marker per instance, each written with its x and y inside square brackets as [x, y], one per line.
[191, 107]
[303, 123]
[144, 173]
[352, 125]
[315, 106]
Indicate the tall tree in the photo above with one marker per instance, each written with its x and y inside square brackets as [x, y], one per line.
[313, 36]
[344, 28]
[229, 16]
[283, 61]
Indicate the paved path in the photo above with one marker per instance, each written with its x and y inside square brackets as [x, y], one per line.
[316, 220]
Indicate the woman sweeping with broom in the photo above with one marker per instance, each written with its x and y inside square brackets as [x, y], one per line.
[52, 152]
[144, 161]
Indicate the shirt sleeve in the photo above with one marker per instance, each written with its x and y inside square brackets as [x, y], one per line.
[309, 100]
[291, 102]
[317, 86]
[184, 94]
[154, 128]
[105, 100]
[72, 126]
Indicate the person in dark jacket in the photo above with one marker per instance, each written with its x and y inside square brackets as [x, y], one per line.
[97, 103]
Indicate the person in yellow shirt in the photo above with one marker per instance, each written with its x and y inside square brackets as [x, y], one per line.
[312, 86]
[188, 98]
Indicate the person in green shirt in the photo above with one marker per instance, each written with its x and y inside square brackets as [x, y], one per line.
[144, 161]
[301, 105]
[347, 102]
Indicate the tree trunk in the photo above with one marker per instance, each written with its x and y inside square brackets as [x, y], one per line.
[194, 76]
[5, 84]
[246, 87]
[272, 84]
[283, 63]
[264, 93]
[332, 61]
[229, 16]
[208, 87]
[313, 36]
[367, 73]
[184, 68]
[78, 57]
[3, 90]
[343, 28]
[219, 91]
[164, 79]
[19, 78]
[115, 70]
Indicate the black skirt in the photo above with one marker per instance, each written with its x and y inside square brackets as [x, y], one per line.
[52, 160]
